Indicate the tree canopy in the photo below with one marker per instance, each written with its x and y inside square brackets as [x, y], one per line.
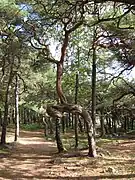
[68, 56]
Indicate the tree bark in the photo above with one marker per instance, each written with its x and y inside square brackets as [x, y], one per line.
[16, 110]
[58, 137]
[57, 112]
[63, 124]
[60, 69]
[24, 116]
[69, 119]
[73, 121]
[80, 124]
[102, 123]
[50, 125]
[93, 108]
[1, 118]
[4, 124]
[76, 130]
[132, 124]
[90, 133]
[76, 115]
[45, 126]
[6, 106]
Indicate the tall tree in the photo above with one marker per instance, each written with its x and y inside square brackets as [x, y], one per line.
[16, 108]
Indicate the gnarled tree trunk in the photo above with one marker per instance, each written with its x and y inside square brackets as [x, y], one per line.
[57, 112]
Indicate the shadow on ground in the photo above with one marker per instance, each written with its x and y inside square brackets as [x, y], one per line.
[34, 158]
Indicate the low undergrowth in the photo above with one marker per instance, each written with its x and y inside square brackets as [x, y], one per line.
[31, 127]
[68, 139]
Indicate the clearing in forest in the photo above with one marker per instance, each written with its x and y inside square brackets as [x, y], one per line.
[33, 157]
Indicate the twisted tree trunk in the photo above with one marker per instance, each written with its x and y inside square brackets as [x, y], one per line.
[57, 112]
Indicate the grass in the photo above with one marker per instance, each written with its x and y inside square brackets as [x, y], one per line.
[4, 151]
[31, 127]
[103, 141]
[68, 139]
[27, 127]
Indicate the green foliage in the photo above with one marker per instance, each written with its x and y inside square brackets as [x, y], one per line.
[9, 6]
[11, 11]
[25, 22]
[68, 140]
[31, 127]
[4, 151]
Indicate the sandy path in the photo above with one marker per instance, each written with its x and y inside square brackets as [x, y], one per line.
[35, 158]
[28, 159]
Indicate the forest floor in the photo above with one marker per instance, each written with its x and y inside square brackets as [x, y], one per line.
[33, 157]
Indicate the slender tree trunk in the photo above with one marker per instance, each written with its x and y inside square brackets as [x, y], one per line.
[76, 131]
[84, 125]
[45, 126]
[85, 114]
[76, 115]
[50, 125]
[114, 126]
[5, 119]
[69, 119]
[4, 124]
[63, 124]
[1, 118]
[58, 137]
[125, 124]
[72, 121]
[102, 123]
[24, 116]
[93, 113]
[76, 88]
[34, 117]
[60, 69]
[16, 110]
[132, 124]
[13, 116]
[80, 124]
[90, 134]
[66, 122]
[28, 116]
[128, 123]
[109, 125]
[9, 116]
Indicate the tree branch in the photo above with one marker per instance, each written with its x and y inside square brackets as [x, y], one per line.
[126, 93]
[131, 2]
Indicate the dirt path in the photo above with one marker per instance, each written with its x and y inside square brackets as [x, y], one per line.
[28, 158]
[35, 158]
